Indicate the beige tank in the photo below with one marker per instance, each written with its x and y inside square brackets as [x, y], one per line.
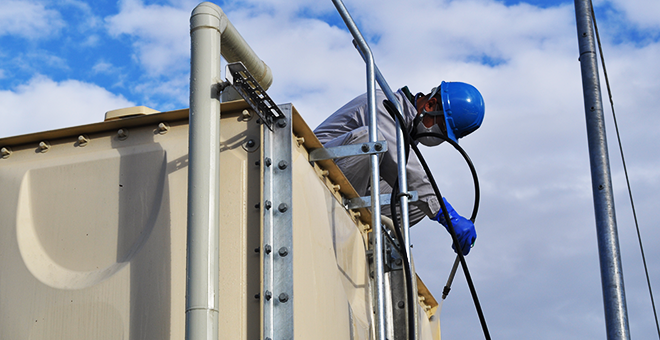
[93, 234]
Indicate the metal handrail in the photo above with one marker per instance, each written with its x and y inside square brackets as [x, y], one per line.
[373, 75]
[404, 200]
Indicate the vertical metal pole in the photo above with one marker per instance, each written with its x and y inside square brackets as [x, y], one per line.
[203, 176]
[403, 184]
[614, 298]
[403, 187]
[375, 171]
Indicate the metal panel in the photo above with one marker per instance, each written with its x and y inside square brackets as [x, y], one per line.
[277, 230]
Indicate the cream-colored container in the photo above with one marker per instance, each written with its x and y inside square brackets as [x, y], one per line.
[93, 234]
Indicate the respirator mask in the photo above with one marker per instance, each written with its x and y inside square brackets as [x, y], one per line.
[438, 127]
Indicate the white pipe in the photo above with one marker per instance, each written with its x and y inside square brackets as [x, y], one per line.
[208, 27]
[202, 303]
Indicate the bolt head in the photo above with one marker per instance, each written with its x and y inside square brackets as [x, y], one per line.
[365, 148]
[163, 127]
[283, 251]
[283, 207]
[282, 165]
[44, 146]
[281, 123]
[5, 152]
[284, 297]
[378, 146]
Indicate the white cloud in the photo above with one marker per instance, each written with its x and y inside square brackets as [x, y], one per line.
[43, 104]
[160, 35]
[646, 14]
[28, 19]
[102, 67]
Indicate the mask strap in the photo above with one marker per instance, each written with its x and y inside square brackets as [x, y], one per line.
[416, 121]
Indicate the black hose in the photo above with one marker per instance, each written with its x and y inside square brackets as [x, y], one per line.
[450, 227]
[475, 178]
[407, 265]
[397, 115]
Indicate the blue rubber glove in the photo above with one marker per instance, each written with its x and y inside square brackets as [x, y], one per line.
[463, 227]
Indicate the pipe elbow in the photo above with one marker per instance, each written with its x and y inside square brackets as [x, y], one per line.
[208, 15]
[234, 47]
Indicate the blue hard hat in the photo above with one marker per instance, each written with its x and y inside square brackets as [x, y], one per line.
[463, 107]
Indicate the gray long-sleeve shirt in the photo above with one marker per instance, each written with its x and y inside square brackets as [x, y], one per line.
[339, 128]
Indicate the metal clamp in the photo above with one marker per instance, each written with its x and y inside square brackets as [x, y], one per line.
[335, 152]
[365, 202]
[253, 93]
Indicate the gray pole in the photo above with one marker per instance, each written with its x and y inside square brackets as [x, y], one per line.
[614, 298]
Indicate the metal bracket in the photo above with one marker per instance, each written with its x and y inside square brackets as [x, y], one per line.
[277, 229]
[253, 93]
[365, 202]
[347, 151]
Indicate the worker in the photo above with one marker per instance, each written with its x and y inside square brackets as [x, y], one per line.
[453, 109]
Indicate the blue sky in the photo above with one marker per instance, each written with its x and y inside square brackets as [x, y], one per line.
[535, 265]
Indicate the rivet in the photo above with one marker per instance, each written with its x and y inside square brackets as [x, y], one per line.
[282, 207]
[268, 295]
[5, 152]
[378, 146]
[401, 304]
[282, 165]
[601, 187]
[250, 143]
[44, 146]
[268, 204]
[281, 123]
[163, 127]
[83, 140]
[284, 297]
[365, 148]
[122, 134]
[283, 251]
